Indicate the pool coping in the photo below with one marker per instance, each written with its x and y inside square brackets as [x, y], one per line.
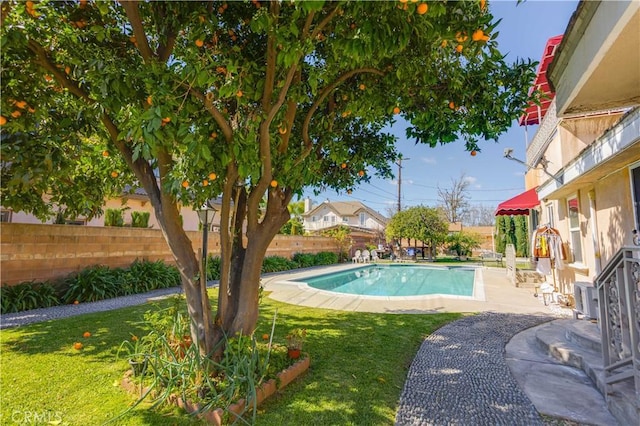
[478, 283]
[496, 294]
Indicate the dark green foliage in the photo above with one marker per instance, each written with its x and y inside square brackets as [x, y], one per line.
[140, 219]
[304, 260]
[522, 235]
[501, 233]
[326, 258]
[213, 268]
[276, 264]
[113, 217]
[27, 295]
[93, 283]
[146, 276]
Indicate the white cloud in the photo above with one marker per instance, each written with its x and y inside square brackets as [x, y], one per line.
[429, 160]
[470, 180]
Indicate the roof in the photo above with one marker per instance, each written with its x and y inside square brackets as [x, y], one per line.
[519, 205]
[346, 208]
[534, 113]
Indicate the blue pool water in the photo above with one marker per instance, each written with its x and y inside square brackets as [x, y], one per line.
[397, 280]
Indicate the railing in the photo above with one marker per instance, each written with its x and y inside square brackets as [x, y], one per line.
[543, 136]
[618, 288]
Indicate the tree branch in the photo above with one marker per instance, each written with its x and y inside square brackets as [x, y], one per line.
[227, 131]
[131, 9]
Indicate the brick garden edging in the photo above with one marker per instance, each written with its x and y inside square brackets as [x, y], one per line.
[215, 417]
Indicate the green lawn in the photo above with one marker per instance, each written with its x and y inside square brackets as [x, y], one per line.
[358, 365]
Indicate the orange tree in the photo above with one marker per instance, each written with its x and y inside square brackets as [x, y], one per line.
[249, 101]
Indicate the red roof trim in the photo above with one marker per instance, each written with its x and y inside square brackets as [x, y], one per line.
[533, 114]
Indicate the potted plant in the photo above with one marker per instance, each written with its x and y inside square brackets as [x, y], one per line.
[137, 355]
[295, 339]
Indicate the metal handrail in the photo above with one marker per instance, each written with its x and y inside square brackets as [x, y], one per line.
[618, 287]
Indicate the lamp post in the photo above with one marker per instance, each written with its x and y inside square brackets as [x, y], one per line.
[206, 213]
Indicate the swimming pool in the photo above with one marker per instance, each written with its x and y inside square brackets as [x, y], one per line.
[397, 280]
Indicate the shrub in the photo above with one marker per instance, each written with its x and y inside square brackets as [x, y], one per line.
[326, 258]
[276, 264]
[146, 275]
[213, 267]
[113, 217]
[26, 296]
[91, 284]
[304, 260]
[140, 219]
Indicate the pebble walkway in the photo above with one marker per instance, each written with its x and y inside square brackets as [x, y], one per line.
[460, 377]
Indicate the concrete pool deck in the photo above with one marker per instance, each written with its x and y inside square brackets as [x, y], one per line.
[494, 292]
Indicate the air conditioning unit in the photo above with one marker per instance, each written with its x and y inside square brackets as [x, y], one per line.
[586, 298]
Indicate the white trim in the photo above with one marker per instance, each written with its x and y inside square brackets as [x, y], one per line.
[623, 135]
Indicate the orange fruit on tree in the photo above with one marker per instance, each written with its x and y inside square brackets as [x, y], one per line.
[282, 130]
[47, 77]
[185, 184]
[31, 110]
[205, 182]
[473, 153]
[75, 302]
[483, 4]
[461, 36]
[3, 120]
[265, 336]
[403, 1]
[29, 5]
[20, 104]
[361, 173]
[16, 114]
[77, 346]
[114, 174]
[239, 93]
[478, 35]
[105, 153]
[459, 48]
[362, 87]
[396, 110]
[67, 70]
[86, 334]
[444, 43]
[343, 165]
[212, 176]
[199, 43]
[150, 100]
[274, 183]
[452, 105]
[422, 8]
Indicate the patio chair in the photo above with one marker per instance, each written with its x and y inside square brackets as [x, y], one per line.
[374, 256]
[366, 256]
[357, 257]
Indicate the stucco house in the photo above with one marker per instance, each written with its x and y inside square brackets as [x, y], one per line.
[584, 161]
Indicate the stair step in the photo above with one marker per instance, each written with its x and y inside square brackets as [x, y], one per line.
[553, 340]
[621, 403]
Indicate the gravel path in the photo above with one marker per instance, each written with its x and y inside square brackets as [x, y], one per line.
[460, 377]
[64, 311]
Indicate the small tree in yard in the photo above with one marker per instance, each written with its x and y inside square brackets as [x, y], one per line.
[425, 224]
[342, 237]
[247, 100]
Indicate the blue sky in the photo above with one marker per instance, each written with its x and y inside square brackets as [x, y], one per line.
[523, 33]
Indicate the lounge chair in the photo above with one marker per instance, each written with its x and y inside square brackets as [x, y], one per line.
[366, 256]
[357, 257]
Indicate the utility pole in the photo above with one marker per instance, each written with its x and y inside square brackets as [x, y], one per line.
[399, 163]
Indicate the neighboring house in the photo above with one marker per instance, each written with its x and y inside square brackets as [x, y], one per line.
[366, 225]
[129, 202]
[352, 214]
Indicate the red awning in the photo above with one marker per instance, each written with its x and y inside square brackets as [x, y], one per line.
[519, 205]
[534, 113]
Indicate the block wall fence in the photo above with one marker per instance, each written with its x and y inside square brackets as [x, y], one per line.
[45, 252]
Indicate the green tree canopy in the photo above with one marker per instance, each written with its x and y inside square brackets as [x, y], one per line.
[425, 224]
[245, 99]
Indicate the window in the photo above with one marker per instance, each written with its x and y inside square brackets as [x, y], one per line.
[345, 219]
[325, 218]
[5, 216]
[333, 220]
[574, 228]
[362, 219]
[314, 219]
[550, 217]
